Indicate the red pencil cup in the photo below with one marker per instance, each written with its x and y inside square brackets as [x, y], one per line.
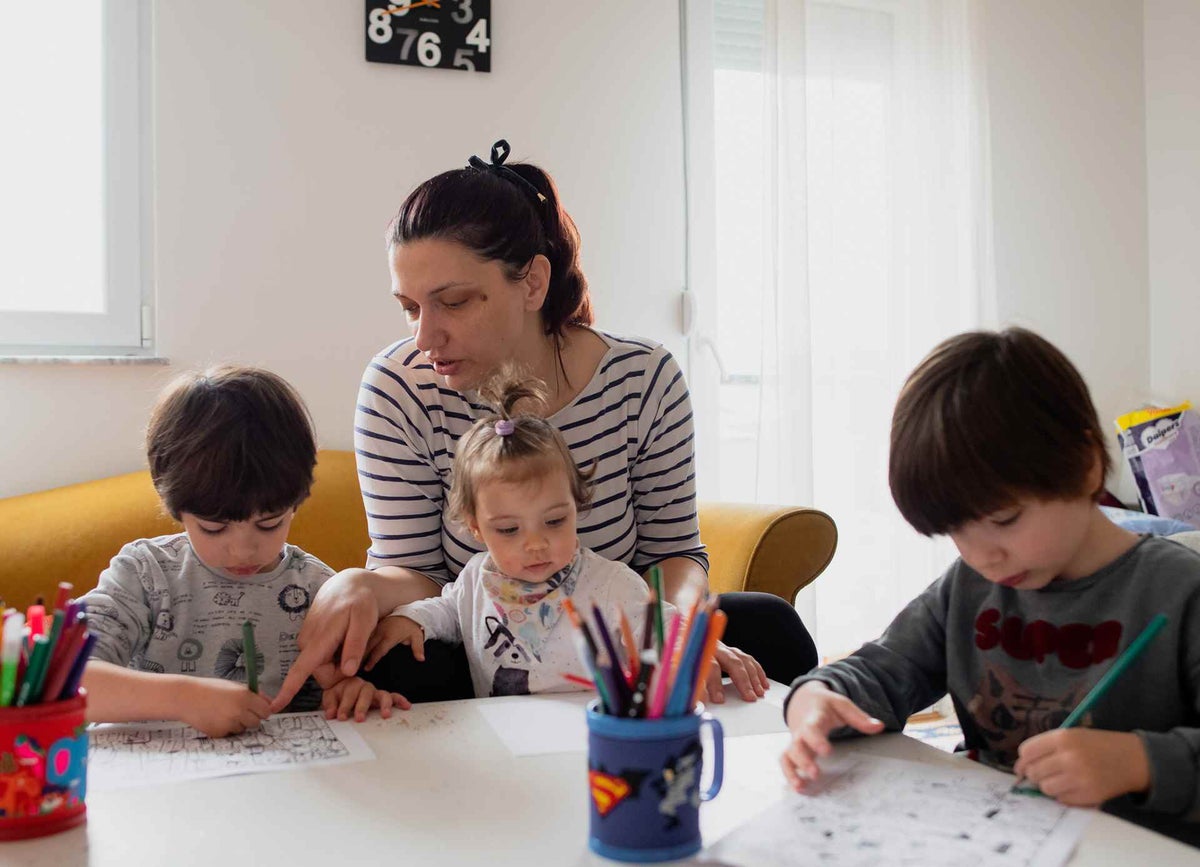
[43, 768]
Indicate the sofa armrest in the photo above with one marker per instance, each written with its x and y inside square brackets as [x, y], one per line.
[72, 533]
[767, 549]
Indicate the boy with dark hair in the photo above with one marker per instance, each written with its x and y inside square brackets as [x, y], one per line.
[231, 454]
[996, 443]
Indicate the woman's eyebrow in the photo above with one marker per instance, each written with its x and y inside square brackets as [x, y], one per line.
[458, 284]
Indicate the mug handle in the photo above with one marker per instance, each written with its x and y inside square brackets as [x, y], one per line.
[718, 736]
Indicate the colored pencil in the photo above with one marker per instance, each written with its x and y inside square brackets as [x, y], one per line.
[1122, 663]
[622, 692]
[716, 629]
[681, 689]
[630, 647]
[659, 631]
[35, 671]
[578, 681]
[250, 655]
[71, 687]
[10, 656]
[662, 676]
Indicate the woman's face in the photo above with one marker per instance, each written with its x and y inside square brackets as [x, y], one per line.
[466, 315]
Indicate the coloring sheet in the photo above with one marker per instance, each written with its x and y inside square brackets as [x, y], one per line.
[868, 811]
[141, 754]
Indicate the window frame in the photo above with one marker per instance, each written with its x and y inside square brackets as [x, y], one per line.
[122, 327]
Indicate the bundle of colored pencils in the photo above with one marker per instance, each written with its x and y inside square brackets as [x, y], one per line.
[42, 658]
[663, 678]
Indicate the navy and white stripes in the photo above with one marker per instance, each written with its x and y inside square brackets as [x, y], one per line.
[633, 419]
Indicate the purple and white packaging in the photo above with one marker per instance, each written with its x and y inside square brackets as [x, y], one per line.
[1163, 450]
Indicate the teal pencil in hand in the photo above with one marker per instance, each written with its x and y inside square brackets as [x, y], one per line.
[250, 654]
[1126, 659]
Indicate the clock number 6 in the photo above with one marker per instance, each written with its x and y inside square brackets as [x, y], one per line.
[429, 52]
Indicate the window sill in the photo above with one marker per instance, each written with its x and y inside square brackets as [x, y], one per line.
[121, 360]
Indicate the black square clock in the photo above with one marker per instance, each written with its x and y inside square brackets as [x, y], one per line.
[448, 34]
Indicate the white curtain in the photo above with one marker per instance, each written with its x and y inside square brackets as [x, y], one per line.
[839, 227]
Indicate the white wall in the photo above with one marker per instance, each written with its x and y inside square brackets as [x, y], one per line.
[1172, 47]
[281, 155]
[1069, 185]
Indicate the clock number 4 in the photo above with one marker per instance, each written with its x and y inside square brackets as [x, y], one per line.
[478, 36]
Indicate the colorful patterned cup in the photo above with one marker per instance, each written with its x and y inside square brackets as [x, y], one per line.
[43, 768]
[644, 781]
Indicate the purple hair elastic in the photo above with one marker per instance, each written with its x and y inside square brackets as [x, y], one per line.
[504, 427]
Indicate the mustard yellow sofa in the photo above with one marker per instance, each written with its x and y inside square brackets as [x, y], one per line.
[71, 533]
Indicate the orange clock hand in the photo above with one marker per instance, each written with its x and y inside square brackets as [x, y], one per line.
[436, 4]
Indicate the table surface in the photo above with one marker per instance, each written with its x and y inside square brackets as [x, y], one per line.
[444, 787]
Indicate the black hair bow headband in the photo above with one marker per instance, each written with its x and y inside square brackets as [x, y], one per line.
[500, 152]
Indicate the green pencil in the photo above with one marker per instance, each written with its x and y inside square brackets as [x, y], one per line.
[1126, 659]
[656, 583]
[250, 654]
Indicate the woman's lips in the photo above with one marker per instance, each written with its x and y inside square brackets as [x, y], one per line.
[445, 368]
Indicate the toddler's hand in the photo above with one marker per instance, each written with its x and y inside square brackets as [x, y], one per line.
[814, 711]
[355, 696]
[1084, 767]
[391, 631]
[221, 707]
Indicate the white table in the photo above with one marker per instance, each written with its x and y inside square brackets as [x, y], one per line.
[445, 790]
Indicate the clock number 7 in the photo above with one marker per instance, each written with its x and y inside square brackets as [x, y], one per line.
[429, 50]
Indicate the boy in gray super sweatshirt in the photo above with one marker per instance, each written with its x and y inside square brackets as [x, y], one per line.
[996, 442]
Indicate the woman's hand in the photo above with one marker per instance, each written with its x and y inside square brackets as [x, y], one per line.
[353, 695]
[220, 707]
[814, 711]
[391, 631]
[747, 675]
[341, 618]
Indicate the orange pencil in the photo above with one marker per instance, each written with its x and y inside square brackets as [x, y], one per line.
[631, 651]
[716, 628]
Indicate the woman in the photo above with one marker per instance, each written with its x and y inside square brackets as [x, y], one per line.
[485, 265]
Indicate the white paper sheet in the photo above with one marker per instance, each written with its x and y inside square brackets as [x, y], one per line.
[532, 725]
[868, 811]
[147, 753]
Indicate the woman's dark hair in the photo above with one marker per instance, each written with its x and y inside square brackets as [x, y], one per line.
[985, 419]
[230, 442]
[498, 217]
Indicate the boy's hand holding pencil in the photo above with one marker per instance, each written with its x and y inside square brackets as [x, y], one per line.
[1084, 767]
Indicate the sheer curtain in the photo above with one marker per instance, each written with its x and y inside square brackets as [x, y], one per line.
[839, 227]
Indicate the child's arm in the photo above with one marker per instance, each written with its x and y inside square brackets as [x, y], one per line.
[813, 711]
[417, 622]
[214, 706]
[902, 671]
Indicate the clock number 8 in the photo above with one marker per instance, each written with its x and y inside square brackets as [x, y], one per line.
[380, 28]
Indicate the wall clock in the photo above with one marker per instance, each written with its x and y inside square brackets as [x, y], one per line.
[449, 34]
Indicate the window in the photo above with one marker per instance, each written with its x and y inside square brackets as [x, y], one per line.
[72, 171]
[838, 229]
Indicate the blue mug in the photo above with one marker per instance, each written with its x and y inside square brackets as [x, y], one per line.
[644, 784]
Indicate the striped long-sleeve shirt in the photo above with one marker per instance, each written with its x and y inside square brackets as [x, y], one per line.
[633, 420]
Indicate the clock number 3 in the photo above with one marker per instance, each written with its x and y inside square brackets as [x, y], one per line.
[464, 10]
